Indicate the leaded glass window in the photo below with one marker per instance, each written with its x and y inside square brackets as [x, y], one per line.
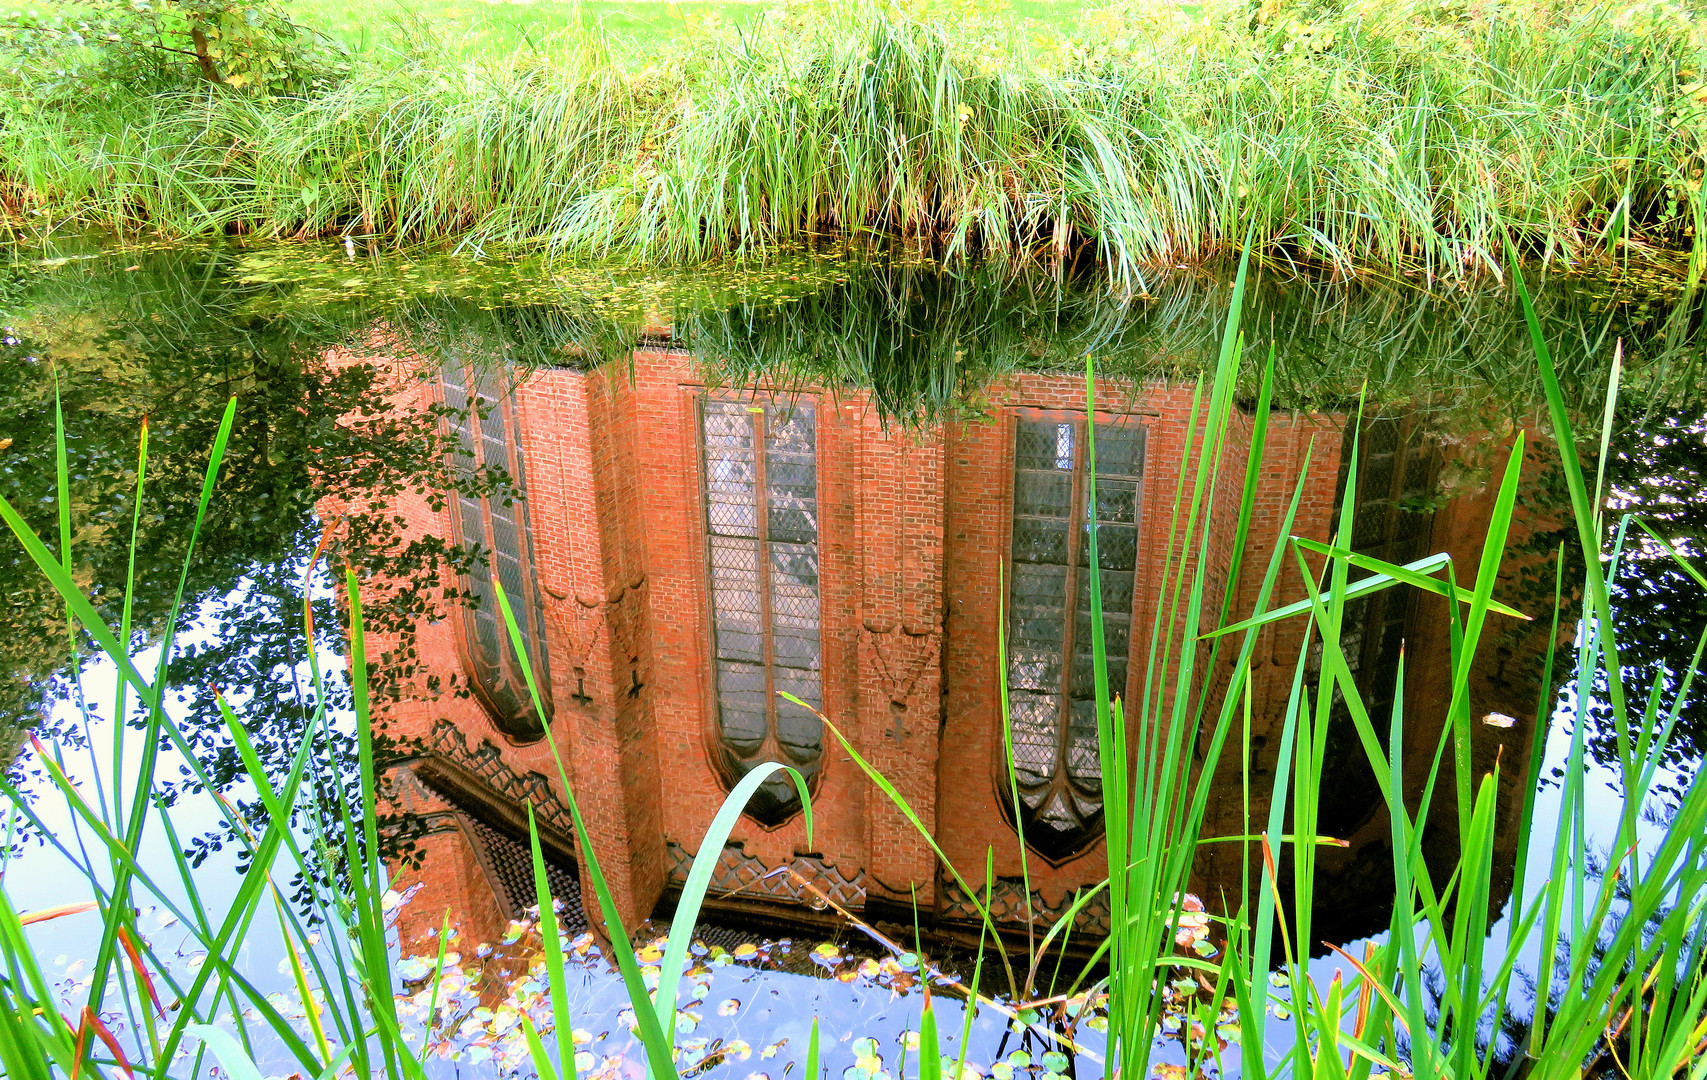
[1051, 679]
[761, 516]
[483, 423]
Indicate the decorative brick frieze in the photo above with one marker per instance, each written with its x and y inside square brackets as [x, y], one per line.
[741, 874]
[898, 656]
[1008, 907]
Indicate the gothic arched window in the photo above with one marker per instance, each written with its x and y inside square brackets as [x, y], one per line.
[1051, 687]
[760, 479]
[484, 422]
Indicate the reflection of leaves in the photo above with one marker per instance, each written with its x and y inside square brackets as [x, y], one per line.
[172, 347]
[1658, 472]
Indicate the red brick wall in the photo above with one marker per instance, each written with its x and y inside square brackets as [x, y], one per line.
[913, 539]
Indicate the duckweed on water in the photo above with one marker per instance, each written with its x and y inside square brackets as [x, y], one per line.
[471, 1011]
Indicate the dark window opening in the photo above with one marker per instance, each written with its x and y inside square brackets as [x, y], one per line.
[1397, 471]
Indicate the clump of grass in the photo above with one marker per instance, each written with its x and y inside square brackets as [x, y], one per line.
[344, 979]
[1438, 995]
[1375, 136]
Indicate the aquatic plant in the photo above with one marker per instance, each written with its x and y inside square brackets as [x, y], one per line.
[1417, 1002]
[1374, 136]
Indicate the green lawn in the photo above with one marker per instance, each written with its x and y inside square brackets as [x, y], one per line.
[497, 27]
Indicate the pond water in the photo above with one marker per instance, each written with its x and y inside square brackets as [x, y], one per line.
[835, 476]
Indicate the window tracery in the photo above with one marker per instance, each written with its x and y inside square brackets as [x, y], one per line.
[1051, 687]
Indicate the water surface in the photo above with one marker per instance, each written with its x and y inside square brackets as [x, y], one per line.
[832, 476]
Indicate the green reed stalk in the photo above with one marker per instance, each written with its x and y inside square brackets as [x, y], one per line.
[351, 966]
[1619, 953]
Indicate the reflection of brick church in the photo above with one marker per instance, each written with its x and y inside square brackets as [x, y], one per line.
[685, 555]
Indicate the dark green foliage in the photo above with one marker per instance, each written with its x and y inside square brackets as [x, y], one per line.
[169, 344]
[113, 48]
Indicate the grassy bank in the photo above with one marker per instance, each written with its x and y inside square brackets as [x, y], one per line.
[1376, 137]
[493, 29]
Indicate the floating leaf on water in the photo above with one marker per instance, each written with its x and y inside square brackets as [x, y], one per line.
[1019, 1059]
[1054, 1060]
[1001, 1070]
[728, 1007]
[827, 951]
[1279, 979]
[908, 961]
[738, 1049]
[770, 1051]
[1202, 947]
[584, 1061]
[413, 968]
[745, 950]
[649, 954]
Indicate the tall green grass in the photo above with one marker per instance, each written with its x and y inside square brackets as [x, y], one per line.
[1622, 979]
[1389, 137]
[1423, 1000]
[343, 978]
